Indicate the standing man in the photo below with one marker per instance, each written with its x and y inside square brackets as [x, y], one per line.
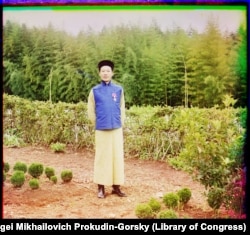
[106, 110]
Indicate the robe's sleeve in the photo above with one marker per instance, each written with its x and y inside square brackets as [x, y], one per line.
[91, 107]
[122, 108]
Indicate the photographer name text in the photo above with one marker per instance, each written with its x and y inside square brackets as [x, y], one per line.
[154, 227]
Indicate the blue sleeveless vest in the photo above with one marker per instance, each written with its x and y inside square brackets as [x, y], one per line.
[107, 102]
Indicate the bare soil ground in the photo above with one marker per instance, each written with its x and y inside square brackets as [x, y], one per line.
[78, 198]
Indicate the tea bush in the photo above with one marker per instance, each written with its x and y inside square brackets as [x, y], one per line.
[215, 198]
[17, 179]
[171, 200]
[12, 140]
[184, 195]
[49, 171]
[167, 214]
[66, 175]
[53, 179]
[21, 166]
[34, 183]
[35, 170]
[144, 211]
[58, 147]
[154, 204]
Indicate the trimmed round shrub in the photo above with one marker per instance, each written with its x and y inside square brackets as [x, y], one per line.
[66, 176]
[17, 179]
[144, 211]
[184, 195]
[167, 214]
[154, 204]
[20, 166]
[34, 183]
[6, 167]
[35, 170]
[171, 200]
[53, 179]
[49, 171]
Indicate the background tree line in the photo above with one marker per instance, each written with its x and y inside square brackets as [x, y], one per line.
[175, 68]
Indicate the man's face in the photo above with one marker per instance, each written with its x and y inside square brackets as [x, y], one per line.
[106, 73]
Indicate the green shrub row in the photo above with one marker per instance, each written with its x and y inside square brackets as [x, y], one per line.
[173, 201]
[17, 179]
[156, 133]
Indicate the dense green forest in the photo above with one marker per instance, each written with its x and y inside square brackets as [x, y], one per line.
[174, 68]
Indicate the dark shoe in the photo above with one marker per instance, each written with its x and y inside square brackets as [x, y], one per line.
[116, 190]
[101, 191]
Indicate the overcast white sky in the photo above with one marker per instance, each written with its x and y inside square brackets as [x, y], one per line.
[73, 21]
